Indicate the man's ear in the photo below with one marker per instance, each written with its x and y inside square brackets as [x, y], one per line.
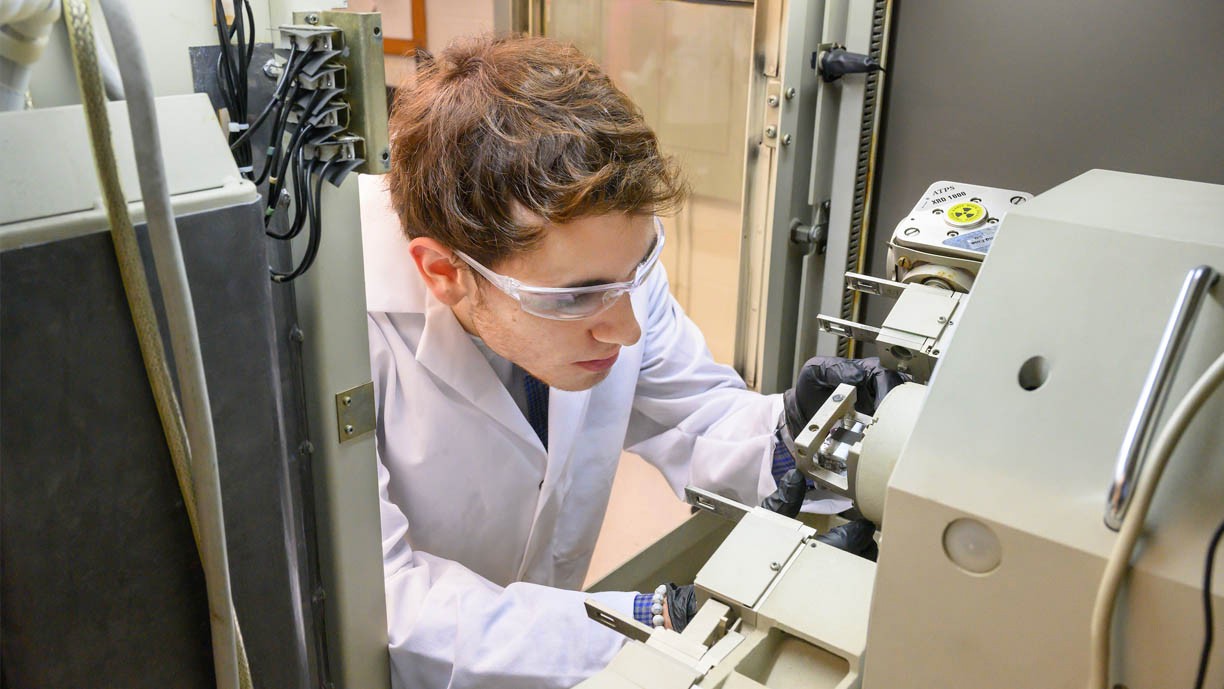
[437, 266]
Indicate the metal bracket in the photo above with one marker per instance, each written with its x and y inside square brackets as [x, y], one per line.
[723, 507]
[773, 108]
[870, 284]
[614, 620]
[845, 328]
[355, 412]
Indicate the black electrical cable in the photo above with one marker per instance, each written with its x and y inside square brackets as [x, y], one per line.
[277, 140]
[315, 210]
[236, 50]
[290, 72]
[1208, 569]
[306, 124]
[301, 197]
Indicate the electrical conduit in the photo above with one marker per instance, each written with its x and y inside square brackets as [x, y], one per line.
[191, 441]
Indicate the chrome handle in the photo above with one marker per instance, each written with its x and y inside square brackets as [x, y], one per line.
[1155, 391]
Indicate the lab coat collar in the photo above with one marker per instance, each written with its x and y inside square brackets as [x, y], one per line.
[392, 282]
[447, 351]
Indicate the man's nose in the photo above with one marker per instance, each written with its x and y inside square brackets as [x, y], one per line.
[617, 325]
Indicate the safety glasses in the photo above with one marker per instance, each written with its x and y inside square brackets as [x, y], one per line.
[571, 303]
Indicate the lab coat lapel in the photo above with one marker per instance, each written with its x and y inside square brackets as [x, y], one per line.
[566, 413]
[447, 351]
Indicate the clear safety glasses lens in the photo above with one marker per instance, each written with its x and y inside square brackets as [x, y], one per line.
[568, 304]
[568, 307]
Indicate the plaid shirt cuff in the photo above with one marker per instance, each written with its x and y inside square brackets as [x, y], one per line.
[782, 459]
[641, 608]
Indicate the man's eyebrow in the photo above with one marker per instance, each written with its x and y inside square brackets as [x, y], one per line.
[600, 281]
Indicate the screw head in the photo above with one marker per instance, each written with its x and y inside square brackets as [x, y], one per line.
[771, 131]
[348, 401]
[312, 18]
[775, 566]
[911, 231]
[838, 398]
[772, 101]
[942, 319]
[790, 93]
[786, 139]
[348, 429]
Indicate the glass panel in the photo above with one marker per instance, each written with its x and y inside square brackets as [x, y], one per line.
[686, 65]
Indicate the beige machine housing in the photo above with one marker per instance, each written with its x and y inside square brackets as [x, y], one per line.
[995, 539]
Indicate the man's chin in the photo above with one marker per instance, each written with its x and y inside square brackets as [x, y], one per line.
[578, 381]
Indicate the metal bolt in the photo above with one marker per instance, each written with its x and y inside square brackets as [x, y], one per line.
[348, 401]
[772, 101]
[911, 231]
[775, 566]
[348, 429]
[1017, 200]
[312, 18]
[786, 139]
[296, 334]
[771, 131]
[838, 398]
[790, 93]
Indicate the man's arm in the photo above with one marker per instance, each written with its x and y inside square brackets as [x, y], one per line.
[693, 418]
[449, 627]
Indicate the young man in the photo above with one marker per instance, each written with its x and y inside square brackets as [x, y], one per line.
[521, 335]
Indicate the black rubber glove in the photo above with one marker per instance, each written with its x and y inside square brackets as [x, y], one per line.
[681, 605]
[856, 537]
[821, 375]
[788, 498]
[817, 380]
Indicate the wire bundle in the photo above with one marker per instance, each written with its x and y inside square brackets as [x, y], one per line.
[237, 42]
[306, 113]
[308, 117]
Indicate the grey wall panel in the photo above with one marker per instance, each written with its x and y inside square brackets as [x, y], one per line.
[1026, 95]
[101, 584]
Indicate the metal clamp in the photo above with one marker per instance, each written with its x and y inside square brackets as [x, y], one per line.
[1155, 392]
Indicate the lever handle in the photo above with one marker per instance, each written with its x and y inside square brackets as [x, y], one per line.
[1155, 392]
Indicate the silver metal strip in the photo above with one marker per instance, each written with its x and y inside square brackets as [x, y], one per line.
[1139, 431]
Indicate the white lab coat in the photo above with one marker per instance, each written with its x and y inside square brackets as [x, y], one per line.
[481, 591]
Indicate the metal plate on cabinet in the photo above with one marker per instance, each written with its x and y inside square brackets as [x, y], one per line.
[355, 412]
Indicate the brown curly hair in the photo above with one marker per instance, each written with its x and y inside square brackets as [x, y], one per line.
[494, 126]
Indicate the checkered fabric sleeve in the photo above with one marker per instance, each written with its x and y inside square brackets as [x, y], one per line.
[641, 608]
[782, 459]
